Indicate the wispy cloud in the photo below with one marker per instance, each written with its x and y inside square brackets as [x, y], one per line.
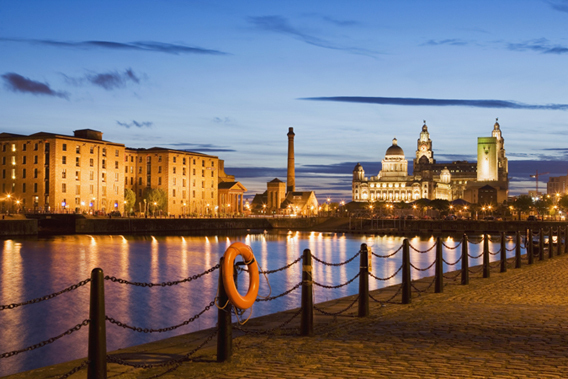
[148, 46]
[279, 24]
[17, 83]
[200, 147]
[108, 80]
[342, 23]
[128, 125]
[439, 102]
[559, 5]
[541, 45]
[223, 120]
[450, 41]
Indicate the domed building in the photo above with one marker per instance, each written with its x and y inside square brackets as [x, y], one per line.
[431, 180]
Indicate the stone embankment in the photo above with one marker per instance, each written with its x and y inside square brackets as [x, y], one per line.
[511, 325]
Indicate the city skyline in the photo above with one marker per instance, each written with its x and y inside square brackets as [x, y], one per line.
[229, 80]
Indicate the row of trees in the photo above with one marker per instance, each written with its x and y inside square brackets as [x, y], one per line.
[153, 200]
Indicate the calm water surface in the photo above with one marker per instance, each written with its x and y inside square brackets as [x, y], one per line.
[31, 268]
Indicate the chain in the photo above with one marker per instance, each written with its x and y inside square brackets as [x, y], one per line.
[389, 255]
[423, 269]
[452, 248]
[452, 264]
[282, 294]
[454, 277]
[259, 332]
[281, 268]
[390, 277]
[336, 264]
[424, 290]
[422, 251]
[337, 286]
[47, 297]
[475, 257]
[80, 367]
[511, 249]
[46, 342]
[161, 330]
[177, 362]
[163, 284]
[387, 300]
[337, 313]
[495, 253]
[476, 243]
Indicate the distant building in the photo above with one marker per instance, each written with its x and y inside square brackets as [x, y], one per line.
[431, 180]
[557, 184]
[282, 198]
[85, 174]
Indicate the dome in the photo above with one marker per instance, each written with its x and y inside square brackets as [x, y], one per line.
[496, 126]
[424, 127]
[358, 167]
[394, 149]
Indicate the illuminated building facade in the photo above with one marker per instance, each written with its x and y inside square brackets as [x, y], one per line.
[46, 172]
[432, 180]
[58, 173]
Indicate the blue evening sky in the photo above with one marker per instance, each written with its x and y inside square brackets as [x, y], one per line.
[229, 78]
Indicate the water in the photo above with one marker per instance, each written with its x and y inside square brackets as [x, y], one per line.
[31, 268]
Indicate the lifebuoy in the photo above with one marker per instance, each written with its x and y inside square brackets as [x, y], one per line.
[241, 302]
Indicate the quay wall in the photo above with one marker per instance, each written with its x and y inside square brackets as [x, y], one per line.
[18, 228]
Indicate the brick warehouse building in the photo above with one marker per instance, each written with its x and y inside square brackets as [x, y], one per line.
[83, 173]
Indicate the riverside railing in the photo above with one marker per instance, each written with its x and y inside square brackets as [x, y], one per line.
[535, 244]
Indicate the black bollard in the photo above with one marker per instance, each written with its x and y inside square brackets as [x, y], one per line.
[364, 281]
[530, 246]
[558, 240]
[465, 261]
[518, 250]
[97, 327]
[541, 245]
[439, 271]
[307, 323]
[224, 327]
[503, 253]
[565, 242]
[486, 268]
[406, 278]
[550, 245]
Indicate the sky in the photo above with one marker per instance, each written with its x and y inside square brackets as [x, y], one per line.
[229, 78]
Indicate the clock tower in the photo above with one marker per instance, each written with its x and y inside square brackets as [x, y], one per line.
[424, 153]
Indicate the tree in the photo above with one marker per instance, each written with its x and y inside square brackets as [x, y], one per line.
[129, 200]
[441, 206]
[523, 204]
[156, 199]
[563, 203]
[543, 205]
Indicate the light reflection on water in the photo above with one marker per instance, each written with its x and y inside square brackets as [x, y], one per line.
[31, 268]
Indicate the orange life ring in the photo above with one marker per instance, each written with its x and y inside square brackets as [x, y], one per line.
[241, 302]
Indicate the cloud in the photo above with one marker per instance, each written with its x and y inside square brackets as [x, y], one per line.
[222, 120]
[452, 42]
[144, 124]
[540, 45]
[559, 5]
[18, 83]
[342, 23]
[148, 46]
[112, 80]
[200, 147]
[279, 24]
[439, 102]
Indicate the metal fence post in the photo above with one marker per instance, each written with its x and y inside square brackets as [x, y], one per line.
[406, 278]
[530, 246]
[364, 281]
[486, 267]
[550, 245]
[97, 327]
[503, 253]
[224, 327]
[518, 250]
[558, 240]
[307, 323]
[541, 245]
[465, 261]
[439, 287]
[565, 242]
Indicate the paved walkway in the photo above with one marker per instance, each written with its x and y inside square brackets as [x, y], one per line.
[512, 325]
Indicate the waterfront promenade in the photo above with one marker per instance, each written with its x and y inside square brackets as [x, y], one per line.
[511, 325]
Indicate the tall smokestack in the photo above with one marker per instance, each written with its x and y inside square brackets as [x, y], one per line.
[291, 180]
